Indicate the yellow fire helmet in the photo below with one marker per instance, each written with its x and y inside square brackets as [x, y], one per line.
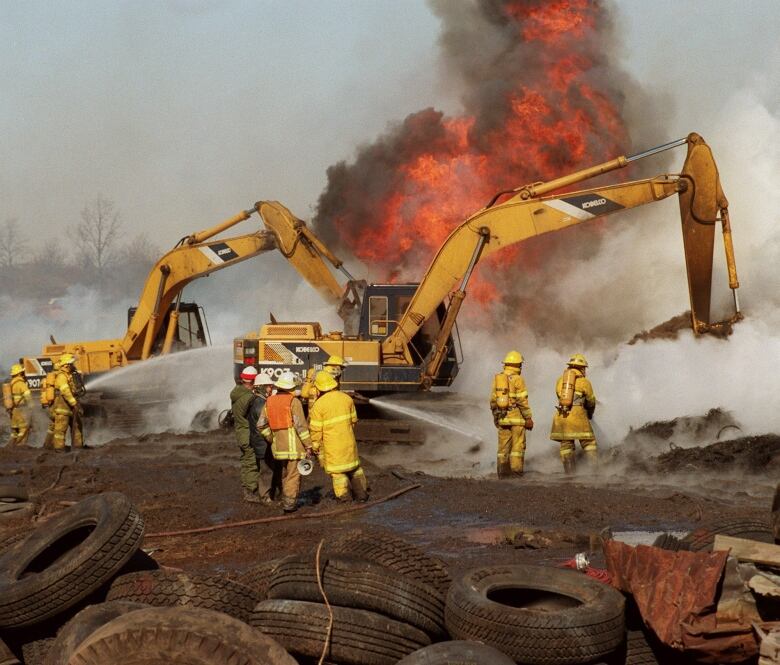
[336, 361]
[67, 359]
[324, 381]
[16, 369]
[513, 358]
[577, 360]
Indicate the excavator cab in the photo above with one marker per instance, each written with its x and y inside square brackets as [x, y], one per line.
[382, 309]
[191, 331]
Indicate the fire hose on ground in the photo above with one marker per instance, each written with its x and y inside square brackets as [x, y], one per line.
[284, 518]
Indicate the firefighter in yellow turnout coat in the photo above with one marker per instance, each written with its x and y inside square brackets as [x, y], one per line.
[576, 405]
[332, 423]
[282, 423]
[66, 407]
[18, 404]
[512, 415]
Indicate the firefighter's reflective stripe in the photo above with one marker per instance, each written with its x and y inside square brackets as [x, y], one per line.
[512, 420]
[341, 468]
[571, 435]
[332, 421]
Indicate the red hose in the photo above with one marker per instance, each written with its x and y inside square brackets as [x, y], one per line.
[284, 518]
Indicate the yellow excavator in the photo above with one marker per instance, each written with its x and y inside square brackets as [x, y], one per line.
[406, 338]
[162, 323]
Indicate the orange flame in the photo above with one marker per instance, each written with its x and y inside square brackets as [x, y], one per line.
[558, 116]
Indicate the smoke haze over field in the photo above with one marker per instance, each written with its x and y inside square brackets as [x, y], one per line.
[185, 113]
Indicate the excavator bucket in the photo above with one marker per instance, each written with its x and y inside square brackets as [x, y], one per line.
[702, 205]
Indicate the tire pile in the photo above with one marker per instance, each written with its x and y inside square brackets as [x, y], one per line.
[79, 591]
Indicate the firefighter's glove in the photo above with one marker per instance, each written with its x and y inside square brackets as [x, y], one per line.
[79, 409]
[497, 415]
[529, 424]
[590, 412]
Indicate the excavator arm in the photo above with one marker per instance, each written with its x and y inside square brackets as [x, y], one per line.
[531, 211]
[199, 255]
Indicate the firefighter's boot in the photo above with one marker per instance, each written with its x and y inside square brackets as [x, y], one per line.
[251, 497]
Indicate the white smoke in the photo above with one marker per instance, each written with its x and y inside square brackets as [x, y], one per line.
[636, 281]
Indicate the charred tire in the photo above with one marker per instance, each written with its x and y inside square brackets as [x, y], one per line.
[358, 637]
[702, 540]
[35, 653]
[666, 541]
[161, 588]
[81, 626]
[258, 578]
[396, 554]
[6, 655]
[537, 615]
[13, 490]
[363, 585]
[457, 652]
[74, 554]
[191, 636]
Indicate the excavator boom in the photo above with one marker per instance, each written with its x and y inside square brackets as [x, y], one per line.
[532, 211]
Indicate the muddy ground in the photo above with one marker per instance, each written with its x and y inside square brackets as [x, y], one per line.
[191, 480]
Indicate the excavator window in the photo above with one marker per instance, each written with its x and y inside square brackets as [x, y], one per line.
[377, 315]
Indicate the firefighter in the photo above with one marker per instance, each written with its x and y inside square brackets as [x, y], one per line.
[263, 387]
[334, 365]
[18, 405]
[576, 405]
[283, 424]
[512, 415]
[241, 398]
[66, 408]
[47, 402]
[332, 424]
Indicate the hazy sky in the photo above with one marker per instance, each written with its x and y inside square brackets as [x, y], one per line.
[186, 112]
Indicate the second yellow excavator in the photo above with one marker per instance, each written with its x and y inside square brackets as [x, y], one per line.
[406, 335]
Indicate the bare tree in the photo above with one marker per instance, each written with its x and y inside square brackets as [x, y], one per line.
[97, 232]
[50, 254]
[140, 250]
[13, 243]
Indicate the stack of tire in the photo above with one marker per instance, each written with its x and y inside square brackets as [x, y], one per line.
[385, 600]
[79, 591]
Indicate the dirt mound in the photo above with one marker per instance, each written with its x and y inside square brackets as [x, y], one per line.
[750, 454]
[671, 329]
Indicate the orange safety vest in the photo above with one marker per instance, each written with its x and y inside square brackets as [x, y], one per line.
[279, 411]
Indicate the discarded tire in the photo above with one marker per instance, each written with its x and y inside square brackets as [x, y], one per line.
[667, 541]
[6, 656]
[162, 588]
[457, 652]
[358, 637]
[77, 552]
[638, 650]
[396, 554]
[35, 653]
[259, 577]
[702, 540]
[360, 584]
[81, 626]
[10, 489]
[179, 636]
[537, 615]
